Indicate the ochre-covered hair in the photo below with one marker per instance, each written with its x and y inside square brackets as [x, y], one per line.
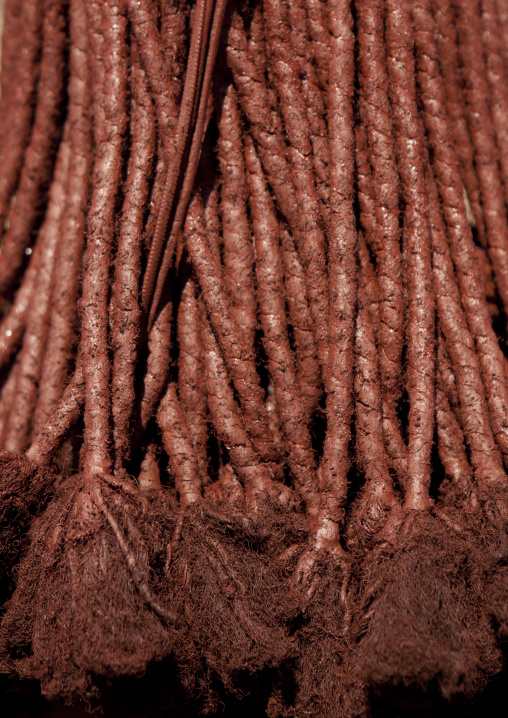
[254, 305]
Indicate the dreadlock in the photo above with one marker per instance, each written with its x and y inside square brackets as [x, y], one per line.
[254, 301]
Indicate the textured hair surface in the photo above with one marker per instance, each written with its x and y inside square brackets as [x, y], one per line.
[253, 348]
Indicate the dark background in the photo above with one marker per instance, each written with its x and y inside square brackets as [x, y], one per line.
[159, 694]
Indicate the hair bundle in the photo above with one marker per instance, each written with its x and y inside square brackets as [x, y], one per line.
[254, 300]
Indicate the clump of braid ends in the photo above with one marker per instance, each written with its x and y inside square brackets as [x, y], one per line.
[253, 341]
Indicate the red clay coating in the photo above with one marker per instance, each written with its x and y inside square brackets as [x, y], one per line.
[227, 418]
[125, 312]
[342, 275]
[157, 365]
[31, 355]
[310, 237]
[451, 445]
[156, 63]
[308, 370]
[191, 380]
[265, 127]
[187, 110]
[272, 312]
[13, 21]
[379, 135]
[256, 35]
[6, 397]
[454, 92]
[174, 27]
[377, 497]
[210, 183]
[239, 359]
[420, 329]
[502, 19]
[314, 100]
[62, 336]
[172, 24]
[496, 73]
[39, 157]
[482, 133]
[255, 334]
[109, 92]
[19, 95]
[446, 374]
[458, 229]
[175, 435]
[396, 448]
[237, 252]
[202, 117]
[13, 323]
[459, 344]
[149, 477]
[195, 98]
